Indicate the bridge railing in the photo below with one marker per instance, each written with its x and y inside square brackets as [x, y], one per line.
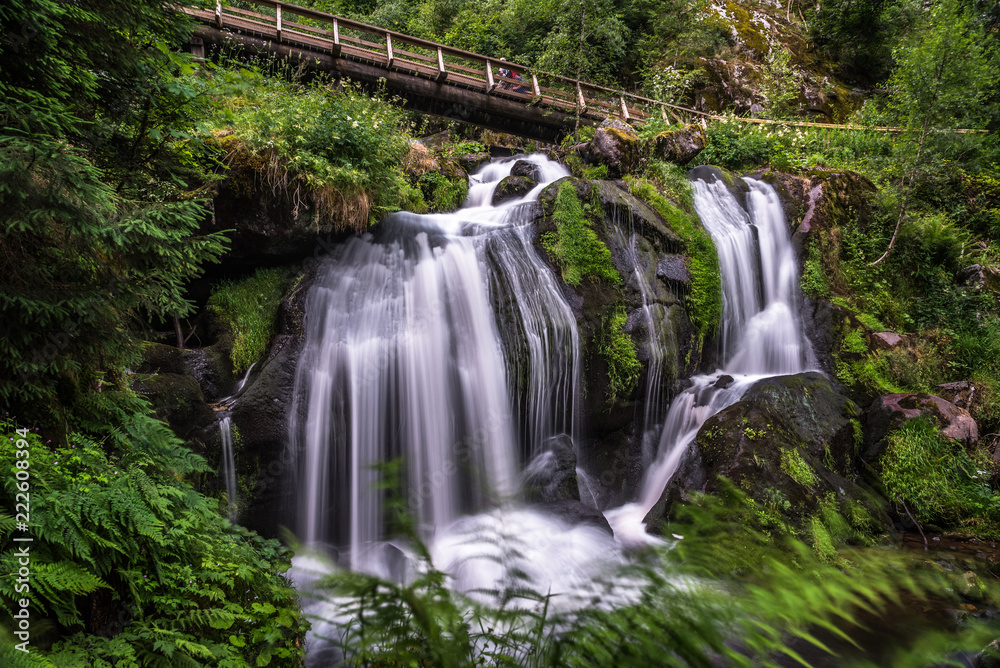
[346, 38]
[318, 31]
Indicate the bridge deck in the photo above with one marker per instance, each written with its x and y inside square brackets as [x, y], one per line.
[438, 79]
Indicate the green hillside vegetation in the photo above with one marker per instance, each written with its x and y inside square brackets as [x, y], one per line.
[113, 141]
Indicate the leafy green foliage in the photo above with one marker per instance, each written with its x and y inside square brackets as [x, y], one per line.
[618, 350]
[133, 566]
[78, 262]
[249, 308]
[441, 193]
[335, 146]
[576, 247]
[862, 33]
[937, 480]
[727, 592]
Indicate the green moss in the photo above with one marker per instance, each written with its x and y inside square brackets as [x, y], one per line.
[574, 246]
[814, 282]
[859, 434]
[441, 193]
[854, 342]
[796, 467]
[820, 540]
[618, 350]
[871, 322]
[249, 307]
[704, 298]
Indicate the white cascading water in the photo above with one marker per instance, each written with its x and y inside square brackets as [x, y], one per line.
[228, 464]
[445, 341]
[761, 335]
[403, 359]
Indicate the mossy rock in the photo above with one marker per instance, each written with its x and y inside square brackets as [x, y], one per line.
[160, 358]
[177, 399]
[615, 145]
[512, 187]
[619, 205]
[820, 418]
[773, 445]
[680, 146]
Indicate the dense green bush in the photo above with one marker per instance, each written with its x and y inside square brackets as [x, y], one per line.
[130, 566]
[334, 146]
[938, 480]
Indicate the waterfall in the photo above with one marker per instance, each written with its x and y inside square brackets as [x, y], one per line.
[228, 465]
[760, 336]
[404, 359]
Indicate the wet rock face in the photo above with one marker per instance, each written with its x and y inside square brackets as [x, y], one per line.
[611, 454]
[528, 170]
[512, 187]
[551, 476]
[261, 415]
[889, 412]
[177, 400]
[790, 438]
[680, 146]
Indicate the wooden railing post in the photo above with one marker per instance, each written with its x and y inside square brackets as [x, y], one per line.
[218, 14]
[490, 85]
[442, 73]
[624, 109]
[535, 87]
[278, 31]
[388, 50]
[336, 38]
[582, 103]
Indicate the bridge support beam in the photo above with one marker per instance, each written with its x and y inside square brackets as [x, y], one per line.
[421, 94]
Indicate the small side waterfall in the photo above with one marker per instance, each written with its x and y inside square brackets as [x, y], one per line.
[760, 335]
[229, 464]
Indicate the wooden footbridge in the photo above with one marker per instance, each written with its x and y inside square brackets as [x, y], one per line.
[432, 78]
[435, 78]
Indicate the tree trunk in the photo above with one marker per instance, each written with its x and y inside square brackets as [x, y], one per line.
[178, 332]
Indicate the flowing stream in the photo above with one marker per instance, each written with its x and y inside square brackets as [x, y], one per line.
[444, 342]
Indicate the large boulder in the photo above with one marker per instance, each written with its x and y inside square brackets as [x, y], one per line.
[527, 169]
[616, 145]
[680, 146]
[177, 399]
[890, 411]
[790, 444]
[512, 187]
